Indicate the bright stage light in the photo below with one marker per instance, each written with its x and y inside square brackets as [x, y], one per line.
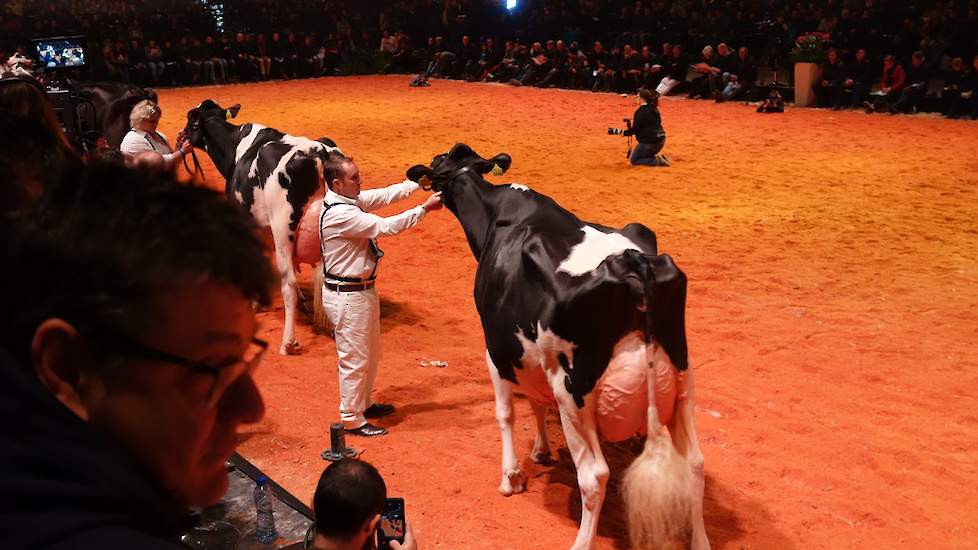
[510, 5]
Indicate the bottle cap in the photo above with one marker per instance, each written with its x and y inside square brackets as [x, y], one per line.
[261, 480]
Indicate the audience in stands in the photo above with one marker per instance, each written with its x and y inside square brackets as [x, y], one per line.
[262, 39]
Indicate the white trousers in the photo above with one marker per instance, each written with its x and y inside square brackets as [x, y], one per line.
[355, 317]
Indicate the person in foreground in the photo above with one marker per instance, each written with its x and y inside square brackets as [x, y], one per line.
[127, 348]
[648, 131]
[348, 502]
[348, 242]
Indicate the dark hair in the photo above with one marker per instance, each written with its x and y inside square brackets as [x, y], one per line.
[350, 493]
[32, 157]
[649, 96]
[104, 243]
[333, 167]
[23, 95]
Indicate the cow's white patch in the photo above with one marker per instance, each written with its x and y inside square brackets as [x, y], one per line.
[519, 187]
[541, 361]
[246, 142]
[305, 145]
[596, 246]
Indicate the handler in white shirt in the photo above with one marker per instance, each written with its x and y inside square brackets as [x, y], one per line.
[350, 256]
[144, 118]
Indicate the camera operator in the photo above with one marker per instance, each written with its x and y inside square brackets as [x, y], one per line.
[648, 131]
[348, 504]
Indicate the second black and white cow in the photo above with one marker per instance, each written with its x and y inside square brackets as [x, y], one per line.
[567, 307]
[273, 175]
[112, 101]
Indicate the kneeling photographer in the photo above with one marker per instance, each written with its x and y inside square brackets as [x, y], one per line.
[647, 129]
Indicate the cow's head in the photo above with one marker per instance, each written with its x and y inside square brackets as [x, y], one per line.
[445, 168]
[207, 110]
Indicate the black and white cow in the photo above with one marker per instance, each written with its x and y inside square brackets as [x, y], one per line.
[567, 308]
[273, 175]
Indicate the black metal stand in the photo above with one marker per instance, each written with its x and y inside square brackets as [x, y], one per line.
[337, 445]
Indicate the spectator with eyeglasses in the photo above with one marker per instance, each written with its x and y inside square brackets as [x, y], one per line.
[127, 349]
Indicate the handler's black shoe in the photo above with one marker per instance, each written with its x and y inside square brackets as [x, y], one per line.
[378, 410]
[367, 430]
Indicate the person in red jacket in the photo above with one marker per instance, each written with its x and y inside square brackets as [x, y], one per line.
[891, 85]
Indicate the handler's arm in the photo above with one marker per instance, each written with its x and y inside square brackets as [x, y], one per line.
[372, 199]
[357, 224]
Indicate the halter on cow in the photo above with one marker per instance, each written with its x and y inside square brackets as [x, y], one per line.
[273, 175]
[590, 320]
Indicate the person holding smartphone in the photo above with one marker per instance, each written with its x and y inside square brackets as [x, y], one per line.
[353, 512]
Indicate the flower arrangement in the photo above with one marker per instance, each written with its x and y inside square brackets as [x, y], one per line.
[811, 47]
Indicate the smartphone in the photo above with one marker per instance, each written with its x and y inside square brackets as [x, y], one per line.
[391, 525]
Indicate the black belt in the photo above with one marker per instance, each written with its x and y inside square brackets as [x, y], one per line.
[346, 287]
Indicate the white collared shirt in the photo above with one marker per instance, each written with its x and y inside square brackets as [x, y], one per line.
[348, 227]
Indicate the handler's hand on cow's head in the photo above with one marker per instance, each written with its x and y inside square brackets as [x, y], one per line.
[186, 146]
[433, 202]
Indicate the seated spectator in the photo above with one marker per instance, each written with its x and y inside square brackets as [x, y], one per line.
[219, 64]
[348, 502]
[262, 57]
[675, 67]
[859, 78]
[651, 69]
[966, 99]
[703, 85]
[828, 89]
[559, 59]
[630, 74]
[536, 69]
[915, 87]
[143, 136]
[153, 55]
[276, 52]
[578, 68]
[891, 85]
[468, 59]
[200, 55]
[123, 385]
[741, 76]
[725, 60]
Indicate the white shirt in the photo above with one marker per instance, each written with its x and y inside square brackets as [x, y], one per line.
[347, 230]
[137, 141]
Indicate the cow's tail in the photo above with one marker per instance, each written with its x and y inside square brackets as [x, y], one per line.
[318, 310]
[657, 487]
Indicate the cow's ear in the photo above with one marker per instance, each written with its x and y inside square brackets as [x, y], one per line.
[418, 171]
[500, 163]
[232, 111]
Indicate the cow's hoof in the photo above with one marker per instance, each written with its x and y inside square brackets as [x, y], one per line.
[291, 348]
[513, 482]
[541, 457]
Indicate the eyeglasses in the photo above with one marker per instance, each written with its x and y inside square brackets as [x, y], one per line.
[224, 376]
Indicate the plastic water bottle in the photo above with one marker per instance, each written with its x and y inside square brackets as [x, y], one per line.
[266, 515]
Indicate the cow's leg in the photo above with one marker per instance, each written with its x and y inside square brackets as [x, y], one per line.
[284, 238]
[581, 435]
[541, 446]
[683, 432]
[513, 479]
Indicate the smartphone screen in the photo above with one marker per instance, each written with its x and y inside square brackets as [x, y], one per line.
[391, 525]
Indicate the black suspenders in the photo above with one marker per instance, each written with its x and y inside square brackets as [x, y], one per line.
[374, 247]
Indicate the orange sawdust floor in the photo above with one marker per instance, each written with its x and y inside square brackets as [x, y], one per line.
[833, 304]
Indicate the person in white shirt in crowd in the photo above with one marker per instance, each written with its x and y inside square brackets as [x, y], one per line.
[348, 234]
[143, 135]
